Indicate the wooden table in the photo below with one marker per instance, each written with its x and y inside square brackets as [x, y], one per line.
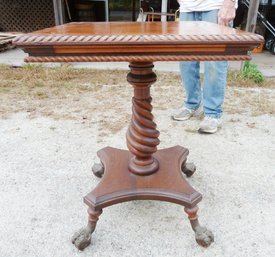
[143, 172]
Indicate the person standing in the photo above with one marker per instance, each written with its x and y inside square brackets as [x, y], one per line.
[208, 100]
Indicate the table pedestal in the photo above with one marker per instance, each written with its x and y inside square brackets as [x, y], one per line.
[143, 172]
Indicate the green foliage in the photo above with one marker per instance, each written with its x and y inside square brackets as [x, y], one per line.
[250, 71]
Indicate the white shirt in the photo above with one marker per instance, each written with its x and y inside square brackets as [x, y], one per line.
[200, 5]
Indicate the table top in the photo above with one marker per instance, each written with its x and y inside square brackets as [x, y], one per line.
[138, 41]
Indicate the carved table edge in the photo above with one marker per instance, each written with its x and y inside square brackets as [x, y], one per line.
[140, 58]
[40, 39]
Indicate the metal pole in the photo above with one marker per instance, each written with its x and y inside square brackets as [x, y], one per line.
[58, 12]
[252, 15]
[253, 6]
[163, 9]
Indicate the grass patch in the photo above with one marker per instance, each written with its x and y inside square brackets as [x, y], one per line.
[251, 71]
[249, 76]
[65, 92]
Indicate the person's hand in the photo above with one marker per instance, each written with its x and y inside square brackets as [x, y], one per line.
[226, 13]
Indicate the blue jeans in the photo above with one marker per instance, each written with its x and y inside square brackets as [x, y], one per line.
[215, 74]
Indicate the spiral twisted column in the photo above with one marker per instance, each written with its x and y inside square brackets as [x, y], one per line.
[142, 135]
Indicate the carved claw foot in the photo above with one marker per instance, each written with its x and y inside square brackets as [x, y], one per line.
[82, 238]
[188, 169]
[98, 169]
[204, 237]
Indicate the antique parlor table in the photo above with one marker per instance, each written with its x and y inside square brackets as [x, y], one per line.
[143, 172]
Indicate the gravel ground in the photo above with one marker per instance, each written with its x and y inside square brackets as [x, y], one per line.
[45, 167]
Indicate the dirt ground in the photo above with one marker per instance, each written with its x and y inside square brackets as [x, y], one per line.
[52, 123]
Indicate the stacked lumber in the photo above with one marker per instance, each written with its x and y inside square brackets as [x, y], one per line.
[6, 41]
